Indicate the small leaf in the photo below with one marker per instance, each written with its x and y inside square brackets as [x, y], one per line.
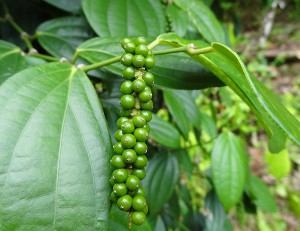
[175, 106]
[61, 36]
[260, 194]
[162, 175]
[228, 165]
[203, 19]
[66, 5]
[125, 17]
[11, 60]
[279, 164]
[164, 133]
[54, 162]
[208, 125]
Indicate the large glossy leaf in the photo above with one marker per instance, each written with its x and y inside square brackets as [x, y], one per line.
[228, 164]
[11, 60]
[178, 21]
[227, 66]
[55, 151]
[203, 19]
[66, 5]
[172, 70]
[61, 36]
[260, 194]
[162, 175]
[164, 133]
[125, 17]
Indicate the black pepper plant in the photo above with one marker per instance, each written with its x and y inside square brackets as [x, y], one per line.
[81, 116]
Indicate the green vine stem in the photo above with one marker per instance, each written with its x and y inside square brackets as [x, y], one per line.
[45, 57]
[23, 34]
[189, 49]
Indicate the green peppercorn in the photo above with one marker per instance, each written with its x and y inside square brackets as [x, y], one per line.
[128, 73]
[128, 140]
[129, 156]
[120, 189]
[147, 106]
[140, 40]
[138, 85]
[142, 49]
[127, 59]
[147, 127]
[138, 61]
[127, 101]
[117, 161]
[113, 197]
[121, 120]
[140, 191]
[126, 88]
[149, 62]
[148, 78]
[127, 127]
[138, 218]
[120, 175]
[139, 203]
[129, 47]
[124, 41]
[140, 148]
[125, 112]
[132, 182]
[118, 148]
[141, 161]
[141, 134]
[147, 115]
[118, 135]
[124, 203]
[139, 121]
[140, 173]
[145, 96]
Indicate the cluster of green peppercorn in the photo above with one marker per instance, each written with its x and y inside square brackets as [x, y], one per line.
[130, 160]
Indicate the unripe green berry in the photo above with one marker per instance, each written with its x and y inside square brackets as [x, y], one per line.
[124, 41]
[147, 106]
[140, 173]
[139, 203]
[138, 61]
[113, 197]
[147, 115]
[139, 121]
[127, 127]
[145, 96]
[132, 182]
[140, 40]
[125, 112]
[129, 47]
[127, 101]
[128, 73]
[127, 59]
[118, 148]
[148, 78]
[142, 49]
[147, 127]
[126, 88]
[121, 120]
[141, 134]
[145, 210]
[140, 191]
[138, 85]
[120, 189]
[118, 135]
[141, 162]
[129, 156]
[120, 175]
[125, 202]
[112, 181]
[138, 218]
[128, 140]
[117, 161]
[140, 148]
[149, 62]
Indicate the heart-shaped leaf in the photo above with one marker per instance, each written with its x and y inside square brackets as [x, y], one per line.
[125, 17]
[55, 151]
[11, 60]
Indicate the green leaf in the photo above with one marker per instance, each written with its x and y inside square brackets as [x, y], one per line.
[178, 20]
[61, 36]
[260, 194]
[175, 106]
[125, 17]
[54, 162]
[279, 165]
[164, 133]
[66, 5]
[208, 125]
[228, 164]
[162, 176]
[119, 221]
[11, 60]
[227, 66]
[203, 19]
[217, 216]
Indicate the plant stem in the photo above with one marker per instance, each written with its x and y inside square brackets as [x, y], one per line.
[101, 64]
[45, 57]
[75, 56]
[169, 51]
[23, 34]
